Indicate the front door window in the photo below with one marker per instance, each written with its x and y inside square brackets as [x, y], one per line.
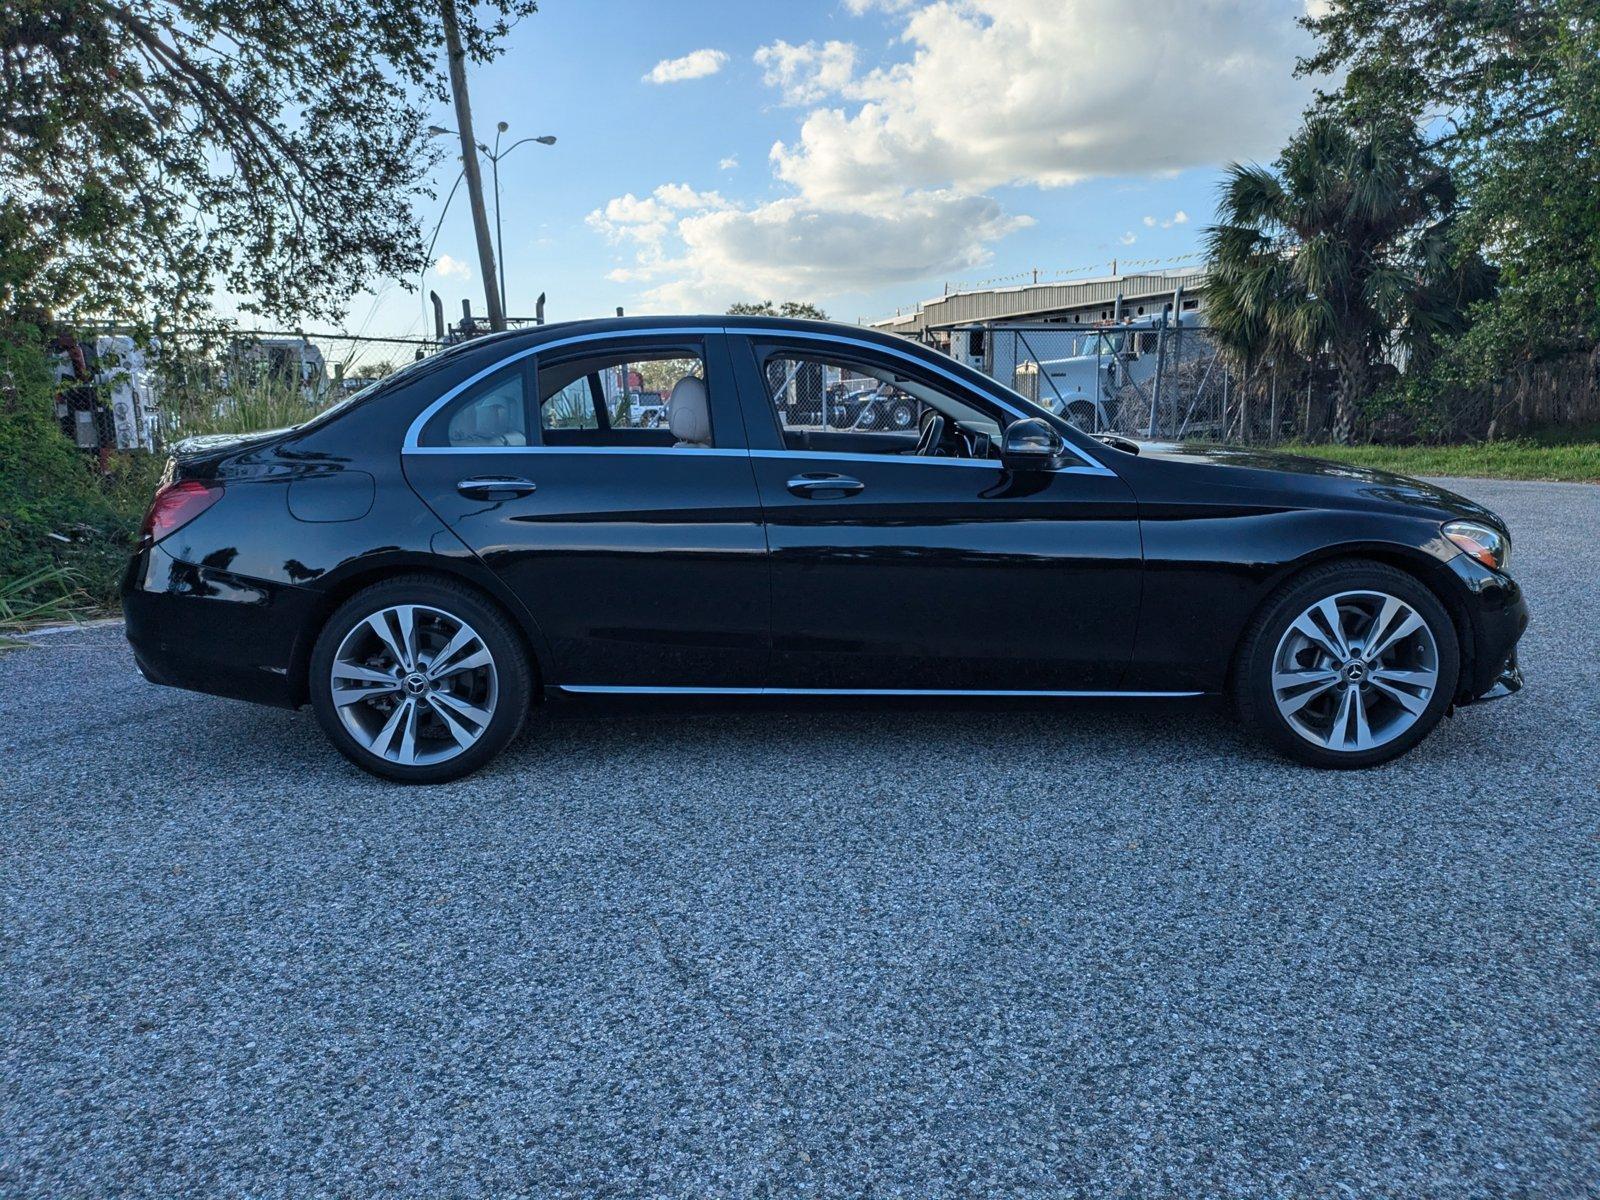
[833, 403]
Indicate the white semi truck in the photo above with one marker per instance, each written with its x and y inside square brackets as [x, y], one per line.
[1086, 385]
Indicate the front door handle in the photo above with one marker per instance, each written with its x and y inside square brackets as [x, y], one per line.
[824, 486]
[495, 487]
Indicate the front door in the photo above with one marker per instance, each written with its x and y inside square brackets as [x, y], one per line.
[640, 554]
[910, 559]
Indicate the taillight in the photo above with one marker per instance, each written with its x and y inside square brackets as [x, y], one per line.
[175, 505]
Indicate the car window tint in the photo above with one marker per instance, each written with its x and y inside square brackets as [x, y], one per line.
[624, 398]
[494, 413]
[822, 403]
[571, 407]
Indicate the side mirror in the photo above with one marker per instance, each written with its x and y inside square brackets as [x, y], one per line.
[1033, 444]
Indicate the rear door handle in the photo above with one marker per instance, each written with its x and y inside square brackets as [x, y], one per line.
[821, 486]
[495, 487]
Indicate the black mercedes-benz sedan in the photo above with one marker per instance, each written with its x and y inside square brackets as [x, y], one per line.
[503, 523]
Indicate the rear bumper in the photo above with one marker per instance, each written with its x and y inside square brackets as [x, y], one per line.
[208, 630]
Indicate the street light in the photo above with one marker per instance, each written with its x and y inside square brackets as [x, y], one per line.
[494, 156]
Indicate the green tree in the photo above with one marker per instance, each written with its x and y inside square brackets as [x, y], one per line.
[766, 308]
[1510, 92]
[1347, 250]
[154, 150]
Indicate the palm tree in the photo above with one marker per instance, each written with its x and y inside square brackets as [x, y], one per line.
[1346, 249]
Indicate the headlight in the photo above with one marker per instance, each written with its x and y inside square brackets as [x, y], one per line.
[1483, 542]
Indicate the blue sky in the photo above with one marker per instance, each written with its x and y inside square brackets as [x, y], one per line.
[856, 153]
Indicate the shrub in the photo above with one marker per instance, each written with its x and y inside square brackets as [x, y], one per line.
[57, 513]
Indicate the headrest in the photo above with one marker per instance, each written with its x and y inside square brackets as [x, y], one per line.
[688, 413]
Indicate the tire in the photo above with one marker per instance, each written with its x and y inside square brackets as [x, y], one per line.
[1375, 708]
[1082, 414]
[458, 719]
[902, 417]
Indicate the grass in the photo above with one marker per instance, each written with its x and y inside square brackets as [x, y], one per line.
[1567, 455]
[43, 597]
[65, 528]
[248, 407]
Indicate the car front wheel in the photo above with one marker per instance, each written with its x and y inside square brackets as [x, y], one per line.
[1349, 665]
[419, 679]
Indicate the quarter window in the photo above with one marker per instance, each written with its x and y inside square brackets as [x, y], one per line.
[494, 413]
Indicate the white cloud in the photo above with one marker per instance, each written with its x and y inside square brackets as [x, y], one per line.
[888, 172]
[809, 73]
[711, 252]
[697, 64]
[682, 196]
[728, 164]
[1178, 218]
[1007, 91]
[452, 268]
[627, 217]
[858, 7]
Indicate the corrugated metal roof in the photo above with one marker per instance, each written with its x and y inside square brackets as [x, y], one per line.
[1036, 299]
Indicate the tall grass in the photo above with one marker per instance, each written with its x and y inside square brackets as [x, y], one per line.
[244, 406]
[42, 597]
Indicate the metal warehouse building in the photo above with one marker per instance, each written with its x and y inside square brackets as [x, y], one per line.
[1081, 301]
[957, 322]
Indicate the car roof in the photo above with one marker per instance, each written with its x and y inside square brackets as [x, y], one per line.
[535, 335]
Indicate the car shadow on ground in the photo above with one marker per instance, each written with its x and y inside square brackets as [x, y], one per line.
[789, 740]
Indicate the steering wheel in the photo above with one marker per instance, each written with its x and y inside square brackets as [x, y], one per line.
[932, 435]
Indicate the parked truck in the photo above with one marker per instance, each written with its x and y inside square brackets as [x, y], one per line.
[1103, 365]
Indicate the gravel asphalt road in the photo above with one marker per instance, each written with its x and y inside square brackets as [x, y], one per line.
[1049, 951]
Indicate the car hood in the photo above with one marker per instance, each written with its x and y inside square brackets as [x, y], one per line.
[1266, 470]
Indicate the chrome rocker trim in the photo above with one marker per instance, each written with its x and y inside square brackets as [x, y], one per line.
[605, 689]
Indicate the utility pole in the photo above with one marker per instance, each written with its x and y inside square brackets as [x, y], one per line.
[469, 162]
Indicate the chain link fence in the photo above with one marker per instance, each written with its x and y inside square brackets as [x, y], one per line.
[1155, 378]
[1150, 377]
[1146, 378]
[115, 391]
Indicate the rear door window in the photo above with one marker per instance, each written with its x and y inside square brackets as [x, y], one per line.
[622, 397]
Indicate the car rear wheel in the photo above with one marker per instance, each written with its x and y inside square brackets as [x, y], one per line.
[419, 679]
[1349, 665]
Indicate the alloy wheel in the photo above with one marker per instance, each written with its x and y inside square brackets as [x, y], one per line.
[1355, 670]
[414, 684]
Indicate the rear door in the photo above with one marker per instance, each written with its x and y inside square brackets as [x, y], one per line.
[894, 570]
[642, 560]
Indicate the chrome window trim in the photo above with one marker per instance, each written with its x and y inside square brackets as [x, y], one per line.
[779, 334]
[718, 451]
[909, 460]
[414, 430]
[606, 689]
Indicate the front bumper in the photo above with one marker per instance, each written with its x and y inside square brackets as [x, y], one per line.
[1498, 615]
[1507, 683]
